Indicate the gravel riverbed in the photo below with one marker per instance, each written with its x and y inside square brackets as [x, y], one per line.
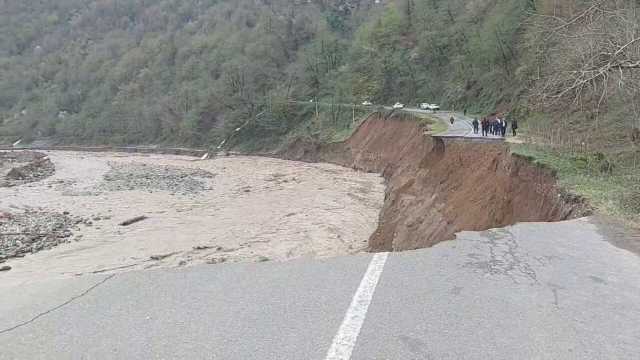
[33, 230]
[150, 178]
[22, 167]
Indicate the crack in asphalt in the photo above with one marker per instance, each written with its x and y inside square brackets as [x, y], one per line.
[24, 323]
[504, 258]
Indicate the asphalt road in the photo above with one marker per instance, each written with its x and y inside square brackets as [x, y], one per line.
[462, 126]
[543, 291]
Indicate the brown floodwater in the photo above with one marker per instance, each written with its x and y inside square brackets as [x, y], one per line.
[252, 209]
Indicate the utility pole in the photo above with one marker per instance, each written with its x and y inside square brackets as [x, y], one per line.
[353, 117]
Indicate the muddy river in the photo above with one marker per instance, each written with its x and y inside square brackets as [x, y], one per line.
[227, 209]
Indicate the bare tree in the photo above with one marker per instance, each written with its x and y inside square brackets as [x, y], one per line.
[590, 55]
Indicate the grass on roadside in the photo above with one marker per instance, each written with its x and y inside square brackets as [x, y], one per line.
[611, 191]
[435, 125]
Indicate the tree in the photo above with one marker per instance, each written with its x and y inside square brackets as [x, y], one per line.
[590, 55]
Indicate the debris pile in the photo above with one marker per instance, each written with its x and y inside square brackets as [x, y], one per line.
[22, 167]
[34, 230]
[139, 176]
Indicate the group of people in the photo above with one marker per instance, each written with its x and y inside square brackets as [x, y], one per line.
[495, 124]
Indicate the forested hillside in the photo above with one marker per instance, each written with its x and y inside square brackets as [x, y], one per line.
[188, 71]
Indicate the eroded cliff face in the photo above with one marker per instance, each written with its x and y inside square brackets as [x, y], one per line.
[435, 190]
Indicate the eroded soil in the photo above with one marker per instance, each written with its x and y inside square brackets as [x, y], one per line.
[435, 190]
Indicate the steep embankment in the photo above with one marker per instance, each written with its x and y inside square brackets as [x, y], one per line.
[434, 191]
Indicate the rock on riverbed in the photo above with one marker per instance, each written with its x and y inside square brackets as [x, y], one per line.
[33, 230]
[146, 177]
[22, 167]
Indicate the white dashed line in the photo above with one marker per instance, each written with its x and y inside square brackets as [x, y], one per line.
[345, 339]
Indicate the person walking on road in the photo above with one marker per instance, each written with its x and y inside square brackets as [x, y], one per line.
[504, 127]
[452, 119]
[475, 125]
[514, 123]
[485, 126]
[499, 126]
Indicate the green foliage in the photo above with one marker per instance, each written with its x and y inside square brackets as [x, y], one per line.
[192, 71]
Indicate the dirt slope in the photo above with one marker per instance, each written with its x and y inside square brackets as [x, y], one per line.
[434, 191]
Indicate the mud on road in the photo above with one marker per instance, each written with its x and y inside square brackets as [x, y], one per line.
[222, 210]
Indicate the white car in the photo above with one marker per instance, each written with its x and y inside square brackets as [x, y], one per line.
[398, 106]
[367, 103]
[427, 106]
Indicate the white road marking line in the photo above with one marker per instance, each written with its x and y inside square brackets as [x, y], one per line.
[345, 339]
